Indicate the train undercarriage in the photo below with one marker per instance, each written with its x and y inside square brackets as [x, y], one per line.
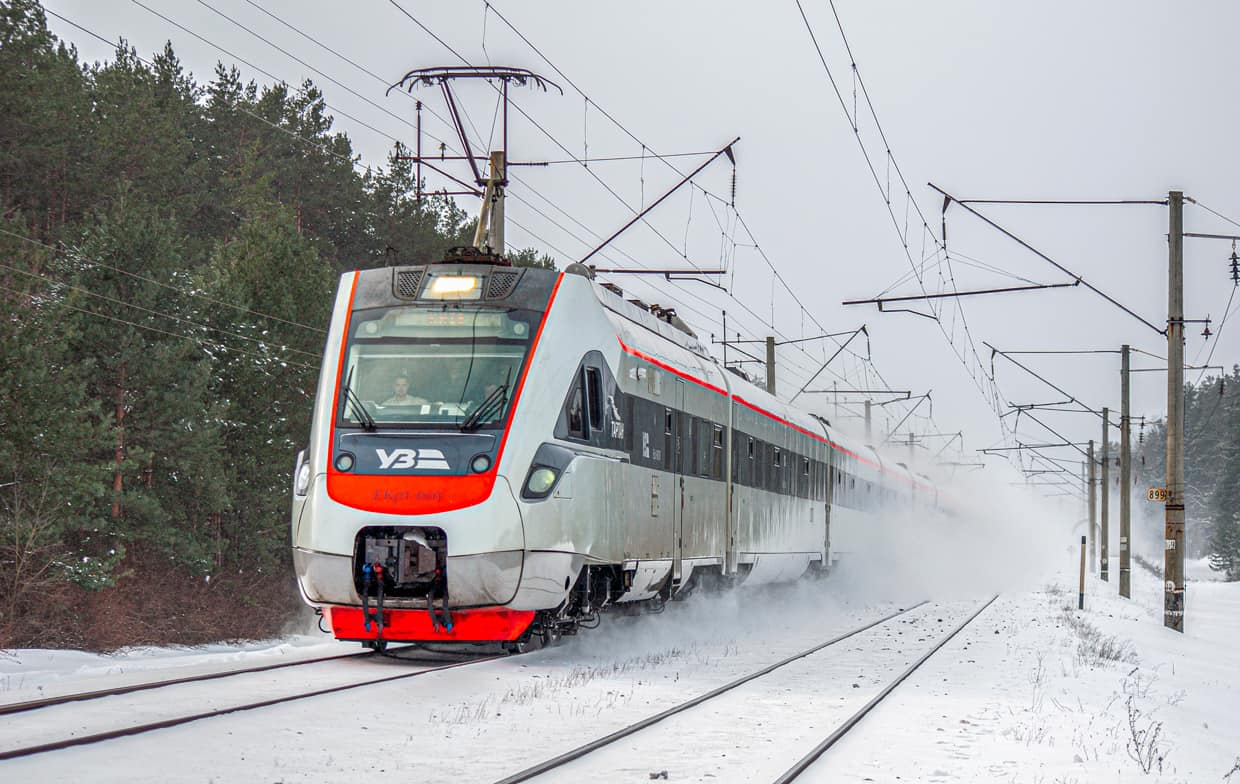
[401, 574]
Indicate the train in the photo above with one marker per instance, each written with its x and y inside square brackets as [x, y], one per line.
[502, 455]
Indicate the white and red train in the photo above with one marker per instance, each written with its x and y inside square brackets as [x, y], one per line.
[498, 453]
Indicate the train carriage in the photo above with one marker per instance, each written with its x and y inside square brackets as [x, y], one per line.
[499, 452]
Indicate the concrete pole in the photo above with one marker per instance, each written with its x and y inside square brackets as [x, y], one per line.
[770, 364]
[499, 176]
[869, 430]
[910, 450]
[1080, 602]
[1104, 487]
[1125, 480]
[1173, 554]
[1093, 510]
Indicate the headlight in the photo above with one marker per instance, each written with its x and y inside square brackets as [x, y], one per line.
[540, 481]
[301, 484]
[344, 461]
[452, 287]
[480, 464]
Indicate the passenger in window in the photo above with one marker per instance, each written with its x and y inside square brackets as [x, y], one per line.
[400, 394]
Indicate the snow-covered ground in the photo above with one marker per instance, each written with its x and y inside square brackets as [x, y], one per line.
[1033, 691]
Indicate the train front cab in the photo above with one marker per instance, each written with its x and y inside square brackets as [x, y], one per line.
[405, 519]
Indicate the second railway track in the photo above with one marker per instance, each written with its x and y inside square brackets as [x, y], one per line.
[569, 763]
[79, 719]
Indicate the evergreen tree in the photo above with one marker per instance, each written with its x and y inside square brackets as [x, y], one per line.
[1225, 500]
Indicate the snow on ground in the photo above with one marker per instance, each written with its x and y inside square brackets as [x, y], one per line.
[31, 674]
[1033, 691]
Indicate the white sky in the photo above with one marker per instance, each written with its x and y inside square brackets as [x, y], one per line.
[988, 100]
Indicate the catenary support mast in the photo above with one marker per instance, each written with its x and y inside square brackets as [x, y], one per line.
[1173, 558]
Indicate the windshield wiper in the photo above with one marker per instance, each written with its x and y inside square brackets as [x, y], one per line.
[359, 409]
[491, 405]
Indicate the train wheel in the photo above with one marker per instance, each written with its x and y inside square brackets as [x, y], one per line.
[550, 636]
[378, 646]
[516, 646]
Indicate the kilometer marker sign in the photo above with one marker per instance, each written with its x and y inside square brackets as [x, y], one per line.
[1158, 494]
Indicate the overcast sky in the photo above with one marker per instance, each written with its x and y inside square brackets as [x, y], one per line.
[1045, 100]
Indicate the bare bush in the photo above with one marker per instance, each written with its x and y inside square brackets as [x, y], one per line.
[1094, 648]
[1144, 743]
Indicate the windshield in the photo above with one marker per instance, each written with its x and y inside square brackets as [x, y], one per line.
[443, 364]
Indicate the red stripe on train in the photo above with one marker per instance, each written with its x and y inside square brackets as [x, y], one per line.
[424, 494]
[486, 624]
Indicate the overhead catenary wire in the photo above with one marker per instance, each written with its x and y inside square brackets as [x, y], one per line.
[568, 80]
[162, 314]
[976, 372]
[168, 286]
[585, 97]
[202, 343]
[370, 127]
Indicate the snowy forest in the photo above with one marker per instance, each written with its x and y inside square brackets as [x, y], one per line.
[1211, 468]
[168, 254]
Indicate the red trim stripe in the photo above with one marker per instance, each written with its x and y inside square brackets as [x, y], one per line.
[670, 369]
[529, 363]
[761, 411]
[344, 341]
[415, 495]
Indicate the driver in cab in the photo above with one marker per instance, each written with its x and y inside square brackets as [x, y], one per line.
[400, 394]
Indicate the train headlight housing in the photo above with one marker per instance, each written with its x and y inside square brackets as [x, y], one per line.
[301, 474]
[344, 461]
[303, 479]
[540, 482]
[453, 287]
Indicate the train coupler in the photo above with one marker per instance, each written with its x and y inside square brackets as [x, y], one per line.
[441, 617]
[372, 576]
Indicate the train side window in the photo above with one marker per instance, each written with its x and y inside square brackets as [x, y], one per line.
[594, 398]
[669, 440]
[576, 418]
[717, 453]
[705, 447]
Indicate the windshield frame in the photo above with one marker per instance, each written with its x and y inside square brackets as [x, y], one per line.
[352, 361]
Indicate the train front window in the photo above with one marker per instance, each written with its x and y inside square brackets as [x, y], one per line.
[436, 365]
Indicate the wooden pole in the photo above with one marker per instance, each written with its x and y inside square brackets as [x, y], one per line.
[1080, 591]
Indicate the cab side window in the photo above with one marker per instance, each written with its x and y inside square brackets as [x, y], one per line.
[576, 414]
[594, 397]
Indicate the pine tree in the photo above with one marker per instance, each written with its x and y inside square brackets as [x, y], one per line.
[1225, 500]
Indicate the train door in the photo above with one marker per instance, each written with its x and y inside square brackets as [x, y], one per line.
[682, 460]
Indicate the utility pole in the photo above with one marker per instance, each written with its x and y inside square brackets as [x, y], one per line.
[770, 364]
[1173, 554]
[869, 432]
[1105, 490]
[1093, 509]
[1125, 480]
[910, 448]
[490, 231]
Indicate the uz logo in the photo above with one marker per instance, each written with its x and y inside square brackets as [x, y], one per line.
[426, 459]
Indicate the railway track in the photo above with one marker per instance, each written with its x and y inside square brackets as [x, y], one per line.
[103, 699]
[805, 762]
[45, 702]
[851, 722]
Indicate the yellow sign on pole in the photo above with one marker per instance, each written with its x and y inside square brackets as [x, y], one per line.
[1158, 494]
